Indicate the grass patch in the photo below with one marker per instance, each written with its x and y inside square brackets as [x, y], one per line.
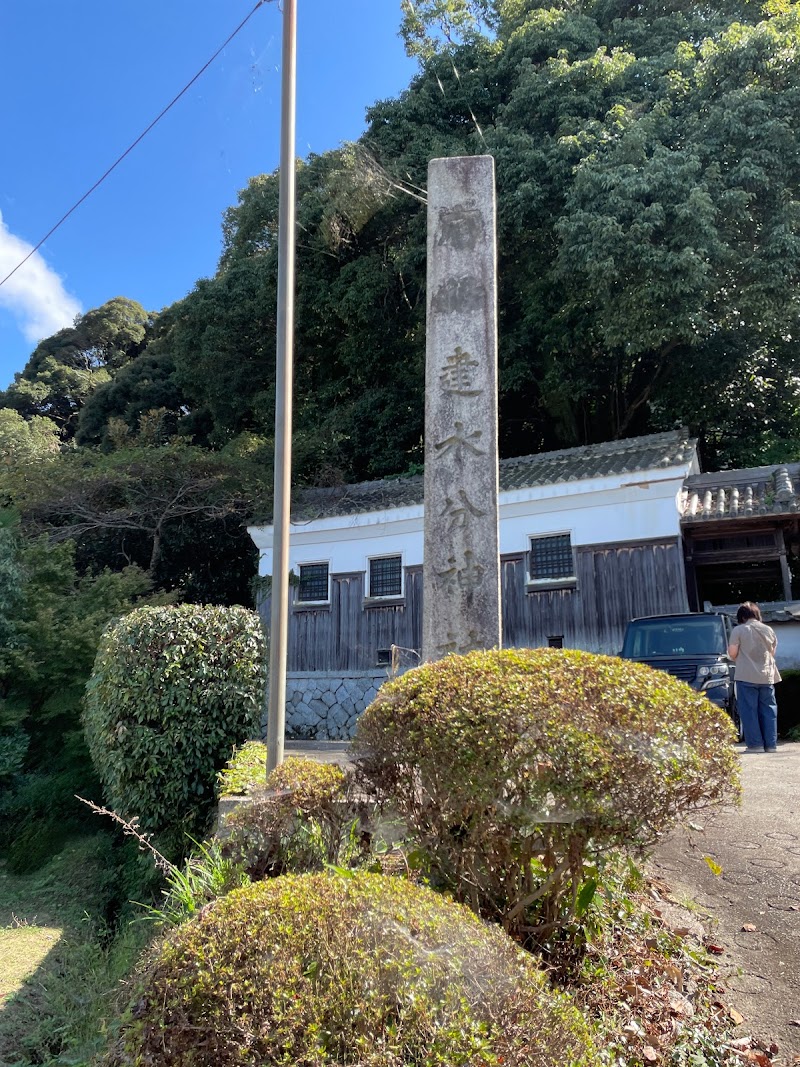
[61, 966]
[23, 949]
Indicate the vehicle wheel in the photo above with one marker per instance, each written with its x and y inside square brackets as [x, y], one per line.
[737, 722]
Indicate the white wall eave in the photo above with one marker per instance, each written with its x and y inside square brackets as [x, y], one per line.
[624, 508]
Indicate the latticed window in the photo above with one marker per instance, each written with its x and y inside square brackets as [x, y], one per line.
[551, 557]
[313, 582]
[386, 576]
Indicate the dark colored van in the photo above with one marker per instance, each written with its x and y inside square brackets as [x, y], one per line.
[692, 647]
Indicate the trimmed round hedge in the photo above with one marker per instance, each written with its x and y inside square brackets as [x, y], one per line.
[173, 690]
[297, 821]
[365, 970]
[512, 768]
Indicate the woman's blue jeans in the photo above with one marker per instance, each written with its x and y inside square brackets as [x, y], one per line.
[759, 714]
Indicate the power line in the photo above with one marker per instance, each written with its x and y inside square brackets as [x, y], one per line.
[131, 147]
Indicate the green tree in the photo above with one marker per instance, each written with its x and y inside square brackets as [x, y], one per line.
[51, 619]
[55, 619]
[64, 369]
[24, 440]
[648, 228]
[144, 385]
[174, 510]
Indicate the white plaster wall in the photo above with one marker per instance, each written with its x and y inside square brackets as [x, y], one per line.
[788, 654]
[599, 511]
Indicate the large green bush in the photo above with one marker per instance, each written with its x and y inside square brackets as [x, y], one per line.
[172, 691]
[513, 769]
[366, 970]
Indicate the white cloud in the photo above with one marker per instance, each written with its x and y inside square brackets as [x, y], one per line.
[35, 295]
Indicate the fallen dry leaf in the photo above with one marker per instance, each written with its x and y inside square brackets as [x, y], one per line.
[679, 1004]
[649, 1054]
[794, 1022]
[749, 928]
[633, 1027]
[736, 1016]
[716, 949]
[761, 1058]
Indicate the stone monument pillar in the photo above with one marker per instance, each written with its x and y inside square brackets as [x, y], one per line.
[461, 585]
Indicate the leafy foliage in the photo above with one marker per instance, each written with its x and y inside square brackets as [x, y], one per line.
[55, 625]
[65, 369]
[320, 969]
[172, 691]
[172, 509]
[51, 619]
[245, 771]
[513, 769]
[304, 817]
[205, 875]
[25, 439]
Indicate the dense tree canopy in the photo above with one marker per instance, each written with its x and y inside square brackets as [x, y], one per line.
[648, 184]
[66, 368]
[649, 217]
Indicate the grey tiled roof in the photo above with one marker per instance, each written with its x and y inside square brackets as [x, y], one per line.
[628, 456]
[741, 494]
[773, 611]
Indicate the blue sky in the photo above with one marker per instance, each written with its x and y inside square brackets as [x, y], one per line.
[81, 80]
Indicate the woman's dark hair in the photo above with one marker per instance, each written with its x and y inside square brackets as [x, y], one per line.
[748, 610]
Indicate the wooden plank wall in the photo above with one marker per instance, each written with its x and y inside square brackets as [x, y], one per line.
[614, 584]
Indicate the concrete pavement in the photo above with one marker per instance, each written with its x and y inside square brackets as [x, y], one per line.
[757, 847]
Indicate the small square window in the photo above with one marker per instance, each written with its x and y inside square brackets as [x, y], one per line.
[386, 576]
[551, 558]
[313, 583]
[556, 641]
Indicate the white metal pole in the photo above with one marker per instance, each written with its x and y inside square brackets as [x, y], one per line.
[284, 355]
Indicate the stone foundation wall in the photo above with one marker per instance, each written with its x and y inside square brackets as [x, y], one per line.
[324, 705]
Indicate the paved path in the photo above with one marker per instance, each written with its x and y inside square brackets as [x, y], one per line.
[758, 848]
[322, 751]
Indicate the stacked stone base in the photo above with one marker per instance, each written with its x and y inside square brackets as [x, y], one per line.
[325, 705]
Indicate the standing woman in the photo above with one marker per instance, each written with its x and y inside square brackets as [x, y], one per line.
[753, 647]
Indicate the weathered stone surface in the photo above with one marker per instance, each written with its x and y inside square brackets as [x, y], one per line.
[461, 582]
[326, 705]
[337, 718]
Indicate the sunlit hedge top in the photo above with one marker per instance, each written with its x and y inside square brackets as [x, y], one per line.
[513, 771]
[172, 691]
[364, 970]
[544, 736]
